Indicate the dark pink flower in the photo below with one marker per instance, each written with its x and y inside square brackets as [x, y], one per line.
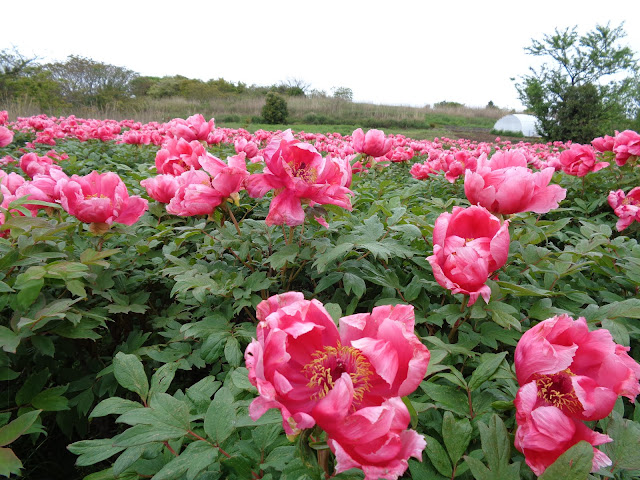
[580, 160]
[578, 371]
[300, 355]
[468, 245]
[193, 128]
[504, 185]
[32, 164]
[101, 198]
[298, 173]
[546, 432]
[6, 136]
[373, 143]
[626, 207]
[178, 156]
[626, 146]
[161, 188]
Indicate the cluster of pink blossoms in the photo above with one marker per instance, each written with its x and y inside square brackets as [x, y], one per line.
[471, 243]
[346, 380]
[568, 375]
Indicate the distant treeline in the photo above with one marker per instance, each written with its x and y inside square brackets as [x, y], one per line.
[80, 81]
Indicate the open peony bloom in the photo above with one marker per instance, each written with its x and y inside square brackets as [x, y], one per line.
[546, 432]
[161, 188]
[580, 160]
[373, 143]
[505, 185]
[626, 207]
[200, 194]
[298, 173]
[6, 136]
[468, 245]
[100, 198]
[579, 372]
[300, 356]
[374, 439]
[11, 181]
[178, 156]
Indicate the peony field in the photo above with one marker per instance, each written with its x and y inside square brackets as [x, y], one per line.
[184, 301]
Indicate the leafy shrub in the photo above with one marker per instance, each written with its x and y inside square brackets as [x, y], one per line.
[275, 109]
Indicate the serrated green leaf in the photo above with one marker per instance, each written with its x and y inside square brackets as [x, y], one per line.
[355, 284]
[624, 451]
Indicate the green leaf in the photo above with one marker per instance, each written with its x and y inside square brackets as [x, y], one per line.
[574, 464]
[44, 345]
[113, 406]
[17, 427]
[9, 463]
[285, 254]
[93, 451]
[355, 284]
[130, 374]
[195, 458]
[219, 422]
[339, 251]
[143, 434]
[524, 290]
[496, 446]
[489, 364]
[232, 352]
[449, 398]
[9, 341]
[28, 293]
[438, 456]
[51, 400]
[624, 451]
[32, 386]
[456, 435]
[161, 380]
[327, 281]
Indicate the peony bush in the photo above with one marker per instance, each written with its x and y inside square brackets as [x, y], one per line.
[181, 300]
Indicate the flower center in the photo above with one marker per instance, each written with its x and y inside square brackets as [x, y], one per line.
[330, 363]
[557, 389]
[308, 174]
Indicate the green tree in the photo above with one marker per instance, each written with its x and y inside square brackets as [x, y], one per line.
[343, 93]
[84, 81]
[275, 109]
[583, 69]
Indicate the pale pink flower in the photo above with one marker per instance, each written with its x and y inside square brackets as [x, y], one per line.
[504, 185]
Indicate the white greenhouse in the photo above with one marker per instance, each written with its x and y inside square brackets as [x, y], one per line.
[518, 122]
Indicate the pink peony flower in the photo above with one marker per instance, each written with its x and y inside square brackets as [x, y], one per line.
[603, 144]
[4, 117]
[43, 187]
[193, 128]
[300, 356]
[299, 174]
[374, 143]
[161, 188]
[545, 432]
[504, 185]
[374, 438]
[6, 136]
[101, 198]
[32, 164]
[626, 207]
[580, 160]
[248, 147]
[468, 245]
[11, 181]
[178, 156]
[626, 146]
[579, 372]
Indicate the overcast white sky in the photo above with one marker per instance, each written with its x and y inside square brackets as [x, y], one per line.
[389, 52]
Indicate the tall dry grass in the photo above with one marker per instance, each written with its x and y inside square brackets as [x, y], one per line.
[244, 108]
